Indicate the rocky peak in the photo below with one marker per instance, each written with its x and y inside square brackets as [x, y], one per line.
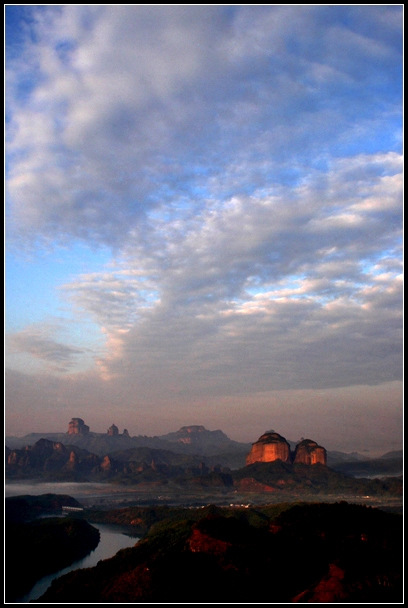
[113, 431]
[77, 427]
[272, 446]
[269, 447]
[308, 452]
[195, 428]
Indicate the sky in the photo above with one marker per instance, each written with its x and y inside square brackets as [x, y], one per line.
[204, 220]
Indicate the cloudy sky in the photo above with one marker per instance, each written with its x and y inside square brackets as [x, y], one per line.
[204, 220]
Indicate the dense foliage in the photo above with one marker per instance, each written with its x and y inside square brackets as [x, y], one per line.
[41, 547]
[316, 479]
[313, 553]
[19, 509]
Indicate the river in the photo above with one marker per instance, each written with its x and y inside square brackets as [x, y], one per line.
[111, 541]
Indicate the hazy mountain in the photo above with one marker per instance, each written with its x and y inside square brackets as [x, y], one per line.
[338, 457]
[215, 446]
[379, 467]
[211, 447]
[395, 454]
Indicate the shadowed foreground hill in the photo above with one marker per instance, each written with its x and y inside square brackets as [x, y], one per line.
[308, 553]
[40, 547]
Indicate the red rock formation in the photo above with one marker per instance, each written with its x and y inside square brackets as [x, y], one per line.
[12, 457]
[308, 452]
[330, 589]
[113, 431]
[199, 542]
[72, 462]
[269, 447]
[106, 464]
[77, 427]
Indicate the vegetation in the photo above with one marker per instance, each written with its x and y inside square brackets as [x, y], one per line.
[19, 509]
[313, 553]
[316, 479]
[41, 547]
[145, 519]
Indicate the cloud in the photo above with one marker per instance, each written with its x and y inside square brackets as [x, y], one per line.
[134, 109]
[301, 289]
[57, 357]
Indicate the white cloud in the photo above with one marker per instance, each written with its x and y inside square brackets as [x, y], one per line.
[253, 285]
[134, 108]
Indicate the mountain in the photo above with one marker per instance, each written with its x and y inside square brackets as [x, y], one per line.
[203, 441]
[395, 454]
[337, 457]
[379, 467]
[53, 461]
[212, 446]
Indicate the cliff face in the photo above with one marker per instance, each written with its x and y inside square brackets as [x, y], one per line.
[269, 447]
[308, 452]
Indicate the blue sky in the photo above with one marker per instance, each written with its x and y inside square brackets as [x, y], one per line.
[204, 214]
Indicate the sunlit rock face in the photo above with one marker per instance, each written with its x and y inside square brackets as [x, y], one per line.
[77, 427]
[269, 447]
[308, 452]
[107, 464]
[72, 463]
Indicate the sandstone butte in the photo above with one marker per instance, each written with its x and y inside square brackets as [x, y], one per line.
[77, 427]
[272, 446]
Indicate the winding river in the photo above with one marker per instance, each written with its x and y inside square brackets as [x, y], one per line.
[112, 540]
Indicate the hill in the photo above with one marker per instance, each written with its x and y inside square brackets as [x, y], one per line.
[214, 447]
[307, 553]
[36, 547]
[378, 467]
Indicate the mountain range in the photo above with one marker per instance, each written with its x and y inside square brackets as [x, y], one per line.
[210, 447]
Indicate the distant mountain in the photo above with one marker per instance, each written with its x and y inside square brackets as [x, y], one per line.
[54, 461]
[338, 457]
[379, 467]
[396, 454]
[212, 446]
[97, 443]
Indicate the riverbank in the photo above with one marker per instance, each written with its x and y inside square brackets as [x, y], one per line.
[112, 539]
